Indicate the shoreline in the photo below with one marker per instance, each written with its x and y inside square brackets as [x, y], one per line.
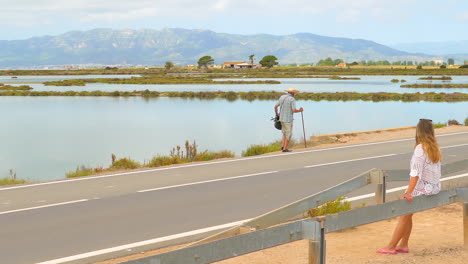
[314, 142]
[252, 95]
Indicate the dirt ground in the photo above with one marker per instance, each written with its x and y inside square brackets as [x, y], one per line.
[437, 235]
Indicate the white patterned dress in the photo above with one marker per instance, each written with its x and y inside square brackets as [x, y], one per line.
[428, 172]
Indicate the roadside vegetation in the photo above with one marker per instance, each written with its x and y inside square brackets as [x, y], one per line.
[178, 155]
[435, 85]
[255, 150]
[11, 180]
[331, 207]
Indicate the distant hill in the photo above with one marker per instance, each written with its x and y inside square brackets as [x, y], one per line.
[182, 46]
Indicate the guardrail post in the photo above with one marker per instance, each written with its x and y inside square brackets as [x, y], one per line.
[321, 220]
[465, 223]
[311, 232]
[378, 177]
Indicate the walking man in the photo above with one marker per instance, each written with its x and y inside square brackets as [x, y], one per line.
[287, 105]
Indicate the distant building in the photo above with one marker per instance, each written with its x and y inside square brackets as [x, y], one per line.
[231, 64]
[342, 65]
[438, 62]
[240, 65]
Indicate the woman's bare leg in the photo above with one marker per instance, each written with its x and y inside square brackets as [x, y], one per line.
[403, 245]
[400, 230]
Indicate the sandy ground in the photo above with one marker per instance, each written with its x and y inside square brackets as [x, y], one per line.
[437, 235]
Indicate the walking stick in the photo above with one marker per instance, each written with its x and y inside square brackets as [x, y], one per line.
[303, 129]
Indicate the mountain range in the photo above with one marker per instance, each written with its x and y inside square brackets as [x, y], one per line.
[183, 46]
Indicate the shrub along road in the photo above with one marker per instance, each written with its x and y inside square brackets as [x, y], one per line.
[52, 220]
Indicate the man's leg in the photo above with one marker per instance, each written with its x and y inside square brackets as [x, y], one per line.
[287, 131]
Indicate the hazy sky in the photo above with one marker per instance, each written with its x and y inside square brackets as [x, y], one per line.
[384, 21]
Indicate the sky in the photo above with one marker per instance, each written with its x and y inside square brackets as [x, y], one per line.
[384, 21]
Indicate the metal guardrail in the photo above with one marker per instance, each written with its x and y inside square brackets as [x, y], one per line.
[296, 209]
[293, 210]
[252, 236]
[311, 229]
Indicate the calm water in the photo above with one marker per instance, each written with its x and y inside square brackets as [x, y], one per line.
[43, 137]
[365, 85]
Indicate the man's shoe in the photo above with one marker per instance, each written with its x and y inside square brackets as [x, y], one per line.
[287, 150]
[282, 148]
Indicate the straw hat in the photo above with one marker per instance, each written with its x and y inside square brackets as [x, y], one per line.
[292, 90]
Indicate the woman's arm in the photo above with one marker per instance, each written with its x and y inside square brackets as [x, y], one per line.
[411, 186]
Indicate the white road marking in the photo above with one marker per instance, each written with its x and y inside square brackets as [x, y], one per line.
[454, 146]
[142, 243]
[351, 160]
[198, 231]
[216, 162]
[43, 206]
[201, 182]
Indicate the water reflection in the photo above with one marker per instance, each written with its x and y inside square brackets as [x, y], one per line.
[44, 137]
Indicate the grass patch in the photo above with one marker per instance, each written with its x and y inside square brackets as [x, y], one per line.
[394, 80]
[254, 150]
[435, 85]
[80, 171]
[331, 207]
[190, 153]
[440, 125]
[125, 163]
[158, 79]
[15, 88]
[262, 95]
[10, 181]
[436, 78]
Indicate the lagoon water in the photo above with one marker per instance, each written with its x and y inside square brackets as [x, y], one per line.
[43, 137]
[367, 84]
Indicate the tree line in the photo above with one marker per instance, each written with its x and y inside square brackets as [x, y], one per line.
[270, 61]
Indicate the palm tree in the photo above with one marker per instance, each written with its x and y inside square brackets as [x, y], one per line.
[251, 59]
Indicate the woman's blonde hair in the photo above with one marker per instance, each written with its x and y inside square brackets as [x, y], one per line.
[425, 136]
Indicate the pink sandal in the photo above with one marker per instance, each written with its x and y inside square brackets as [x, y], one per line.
[384, 251]
[402, 251]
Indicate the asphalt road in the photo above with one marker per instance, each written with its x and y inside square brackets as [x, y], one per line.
[52, 220]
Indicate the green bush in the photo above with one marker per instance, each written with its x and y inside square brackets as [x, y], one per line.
[254, 150]
[332, 207]
[463, 66]
[443, 66]
[9, 181]
[440, 125]
[453, 123]
[159, 161]
[80, 172]
[466, 121]
[394, 80]
[125, 163]
[211, 155]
